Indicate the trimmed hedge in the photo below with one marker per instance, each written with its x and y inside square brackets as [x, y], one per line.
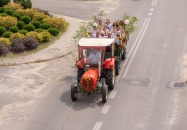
[36, 23]
[18, 16]
[25, 19]
[53, 31]
[20, 24]
[8, 11]
[2, 30]
[39, 30]
[14, 29]
[23, 31]
[7, 34]
[45, 26]
[2, 9]
[29, 27]
[3, 14]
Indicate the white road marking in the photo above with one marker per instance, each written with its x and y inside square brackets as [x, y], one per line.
[152, 3]
[130, 62]
[112, 94]
[149, 14]
[97, 125]
[105, 109]
[155, 3]
[131, 51]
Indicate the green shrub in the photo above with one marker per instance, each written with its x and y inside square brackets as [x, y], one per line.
[17, 1]
[35, 35]
[14, 29]
[30, 43]
[17, 46]
[45, 26]
[26, 4]
[2, 9]
[53, 31]
[46, 36]
[39, 30]
[18, 16]
[7, 34]
[5, 41]
[3, 50]
[17, 36]
[2, 30]
[36, 23]
[4, 2]
[8, 21]
[29, 27]
[25, 19]
[3, 14]
[23, 31]
[8, 11]
[20, 24]
[13, 6]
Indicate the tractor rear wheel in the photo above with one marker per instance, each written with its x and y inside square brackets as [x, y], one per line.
[74, 92]
[123, 56]
[104, 94]
[117, 68]
[80, 72]
[110, 78]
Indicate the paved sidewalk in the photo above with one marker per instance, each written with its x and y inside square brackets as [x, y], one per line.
[60, 48]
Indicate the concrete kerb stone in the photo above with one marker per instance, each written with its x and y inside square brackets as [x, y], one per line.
[58, 49]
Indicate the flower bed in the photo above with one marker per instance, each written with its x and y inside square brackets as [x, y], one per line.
[20, 27]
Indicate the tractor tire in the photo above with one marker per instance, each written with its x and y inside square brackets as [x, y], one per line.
[110, 78]
[123, 56]
[74, 93]
[104, 94]
[117, 66]
[80, 72]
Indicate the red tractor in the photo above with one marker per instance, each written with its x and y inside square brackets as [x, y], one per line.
[96, 67]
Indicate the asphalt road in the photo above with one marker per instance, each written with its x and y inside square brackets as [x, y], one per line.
[147, 95]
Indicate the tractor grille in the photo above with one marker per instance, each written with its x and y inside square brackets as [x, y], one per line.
[87, 84]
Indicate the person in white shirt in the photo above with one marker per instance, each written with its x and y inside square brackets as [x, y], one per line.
[94, 56]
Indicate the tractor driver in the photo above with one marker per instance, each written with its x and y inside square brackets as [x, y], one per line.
[94, 56]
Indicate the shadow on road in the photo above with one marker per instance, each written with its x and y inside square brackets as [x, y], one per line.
[83, 101]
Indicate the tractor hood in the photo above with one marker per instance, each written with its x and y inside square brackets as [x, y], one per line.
[89, 80]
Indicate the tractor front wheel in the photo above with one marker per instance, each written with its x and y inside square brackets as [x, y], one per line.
[74, 93]
[80, 72]
[104, 94]
[110, 78]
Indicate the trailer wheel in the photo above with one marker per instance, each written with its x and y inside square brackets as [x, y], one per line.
[117, 68]
[110, 78]
[74, 93]
[104, 94]
[80, 72]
